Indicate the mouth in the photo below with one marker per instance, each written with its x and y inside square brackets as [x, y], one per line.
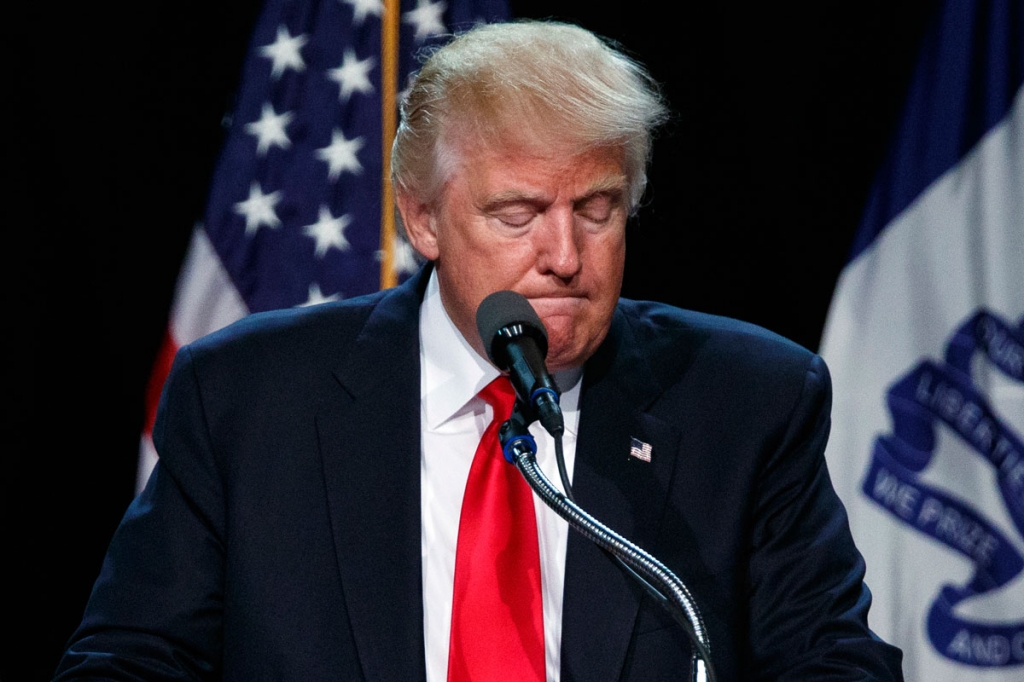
[549, 307]
[556, 300]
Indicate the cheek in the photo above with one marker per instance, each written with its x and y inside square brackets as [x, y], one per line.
[616, 248]
[492, 265]
[607, 259]
[471, 269]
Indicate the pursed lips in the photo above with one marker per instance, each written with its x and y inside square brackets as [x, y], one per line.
[557, 305]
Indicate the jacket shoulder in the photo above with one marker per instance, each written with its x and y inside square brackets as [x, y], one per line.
[671, 336]
[328, 325]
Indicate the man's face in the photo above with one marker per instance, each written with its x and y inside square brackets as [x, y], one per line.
[549, 226]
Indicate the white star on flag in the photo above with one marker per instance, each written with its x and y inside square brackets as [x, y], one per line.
[328, 231]
[269, 130]
[353, 75]
[405, 260]
[316, 297]
[427, 17]
[363, 8]
[404, 92]
[284, 52]
[340, 155]
[258, 209]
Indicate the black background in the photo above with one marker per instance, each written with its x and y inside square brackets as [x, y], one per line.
[782, 116]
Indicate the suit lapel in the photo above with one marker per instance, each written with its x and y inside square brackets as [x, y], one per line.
[370, 443]
[623, 492]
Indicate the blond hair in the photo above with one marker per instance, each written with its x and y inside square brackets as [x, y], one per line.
[542, 83]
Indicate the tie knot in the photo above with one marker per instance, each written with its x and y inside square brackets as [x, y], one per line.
[500, 395]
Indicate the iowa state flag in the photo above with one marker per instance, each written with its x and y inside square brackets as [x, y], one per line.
[925, 340]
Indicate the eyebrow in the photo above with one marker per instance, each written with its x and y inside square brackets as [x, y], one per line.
[614, 184]
[510, 196]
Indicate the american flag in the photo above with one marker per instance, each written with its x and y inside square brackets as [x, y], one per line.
[640, 450]
[294, 212]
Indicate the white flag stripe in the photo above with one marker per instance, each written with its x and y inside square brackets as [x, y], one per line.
[205, 299]
[147, 460]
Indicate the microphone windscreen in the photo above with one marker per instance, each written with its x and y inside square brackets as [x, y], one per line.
[502, 309]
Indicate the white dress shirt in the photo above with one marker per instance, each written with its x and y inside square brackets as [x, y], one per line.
[453, 420]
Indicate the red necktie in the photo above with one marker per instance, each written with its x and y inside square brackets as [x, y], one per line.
[497, 612]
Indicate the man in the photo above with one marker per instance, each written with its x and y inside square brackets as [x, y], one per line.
[308, 516]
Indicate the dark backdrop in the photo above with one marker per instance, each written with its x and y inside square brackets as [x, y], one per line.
[782, 116]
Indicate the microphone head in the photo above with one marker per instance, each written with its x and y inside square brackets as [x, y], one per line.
[505, 315]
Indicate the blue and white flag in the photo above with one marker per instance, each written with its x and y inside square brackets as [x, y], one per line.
[925, 340]
[294, 212]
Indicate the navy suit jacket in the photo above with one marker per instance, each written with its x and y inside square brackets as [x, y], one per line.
[279, 537]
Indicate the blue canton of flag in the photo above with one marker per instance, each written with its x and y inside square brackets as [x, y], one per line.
[295, 205]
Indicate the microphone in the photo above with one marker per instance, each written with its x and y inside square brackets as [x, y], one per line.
[516, 342]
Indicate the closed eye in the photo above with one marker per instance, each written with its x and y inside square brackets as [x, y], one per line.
[516, 211]
[515, 215]
[599, 207]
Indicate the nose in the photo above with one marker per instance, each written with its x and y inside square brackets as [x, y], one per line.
[558, 251]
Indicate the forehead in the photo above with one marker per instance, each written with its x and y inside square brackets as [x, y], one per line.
[522, 164]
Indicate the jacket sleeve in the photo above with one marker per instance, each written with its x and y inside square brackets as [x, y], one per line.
[808, 602]
[155, 611]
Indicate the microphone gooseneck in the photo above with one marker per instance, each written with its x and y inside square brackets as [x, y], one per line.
[657, 580]
[517, 342]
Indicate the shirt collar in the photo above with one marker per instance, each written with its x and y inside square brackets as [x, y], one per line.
[453, 372]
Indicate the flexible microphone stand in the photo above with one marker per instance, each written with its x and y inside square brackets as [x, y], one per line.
[660, 583]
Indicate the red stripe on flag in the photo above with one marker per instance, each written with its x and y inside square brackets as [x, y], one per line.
[161, 368]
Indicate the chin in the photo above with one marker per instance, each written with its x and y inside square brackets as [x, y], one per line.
[565, 356]
[571, 343]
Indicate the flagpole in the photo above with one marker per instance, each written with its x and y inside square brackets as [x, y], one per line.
[389, 86]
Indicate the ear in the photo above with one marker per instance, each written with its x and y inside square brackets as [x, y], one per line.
[420, 225]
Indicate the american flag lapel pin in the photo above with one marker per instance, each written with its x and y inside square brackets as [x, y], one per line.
[640, 449]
